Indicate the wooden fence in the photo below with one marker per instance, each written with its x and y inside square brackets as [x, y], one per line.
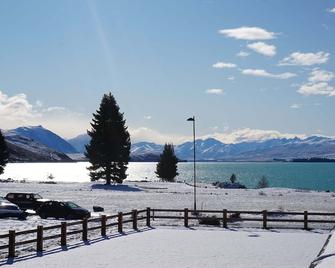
[121, 218]
[263, 216]
[104, 222]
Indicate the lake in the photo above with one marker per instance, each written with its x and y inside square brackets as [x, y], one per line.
[316, 176]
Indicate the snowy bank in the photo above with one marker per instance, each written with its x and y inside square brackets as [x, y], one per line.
[326, 258]
[182, 247]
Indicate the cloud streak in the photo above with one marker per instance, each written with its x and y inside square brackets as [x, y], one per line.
[221, 65]
[263, 48]
[16, 111]
[263, 73]
[305, 59]
[215, 91]
[248, 33]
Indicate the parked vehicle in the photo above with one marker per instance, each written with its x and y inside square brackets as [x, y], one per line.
[10, 210]
[26, 200]
[59, 209]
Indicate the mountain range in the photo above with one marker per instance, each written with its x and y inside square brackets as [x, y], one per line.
[36, 143]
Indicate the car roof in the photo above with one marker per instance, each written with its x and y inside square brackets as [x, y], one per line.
[23, 193]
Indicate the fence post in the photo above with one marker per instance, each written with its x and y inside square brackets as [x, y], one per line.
[63, 234]
[103, 225]
[11, 244]
[186, 217]
[39, 245]
[148, 217]
[224, 220]
[265, 219]
[134, 219]
[306, 220]
[119, 222]
[84, 234]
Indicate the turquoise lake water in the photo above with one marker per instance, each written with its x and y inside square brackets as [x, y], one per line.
[315, 176]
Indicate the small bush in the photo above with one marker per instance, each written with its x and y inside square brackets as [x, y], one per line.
[209, 220]
[263, 183]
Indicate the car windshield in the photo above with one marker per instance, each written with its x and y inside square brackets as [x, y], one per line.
[10, 207]
[72, 205]
[37, 196]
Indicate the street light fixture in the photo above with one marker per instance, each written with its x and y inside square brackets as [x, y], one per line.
[194, 171]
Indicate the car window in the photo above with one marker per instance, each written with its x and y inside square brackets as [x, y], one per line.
[20, 196]
[10, 196]
[72, 205]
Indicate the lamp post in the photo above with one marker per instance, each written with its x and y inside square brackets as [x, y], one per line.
[194, 171]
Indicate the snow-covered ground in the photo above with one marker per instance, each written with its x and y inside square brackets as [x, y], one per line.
[180, 247]
[140, 195]
[326, 258]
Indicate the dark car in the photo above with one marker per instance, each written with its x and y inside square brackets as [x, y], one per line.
[59, 209]
[26, 200]
[10, 210]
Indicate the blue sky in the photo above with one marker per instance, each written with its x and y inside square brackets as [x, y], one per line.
[245, 69]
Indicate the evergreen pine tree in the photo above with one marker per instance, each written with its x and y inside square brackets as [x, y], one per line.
[109, 148]
[167, 166]
[4, 154]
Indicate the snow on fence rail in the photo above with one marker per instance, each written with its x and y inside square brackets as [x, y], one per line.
[137, 215]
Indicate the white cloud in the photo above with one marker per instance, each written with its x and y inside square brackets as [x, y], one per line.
[319, 88]
[263, 73]
[215, 91]
[221, 65]
[242, 54]
[248, 33]
[148, 117]
[231, 78]
[331, 10]
[17, 111]
[16, 107]
[235, 136]
[305, 59]
[263, 48]
[248, 134]
[321, 76]
[151, 135]
[295, 106]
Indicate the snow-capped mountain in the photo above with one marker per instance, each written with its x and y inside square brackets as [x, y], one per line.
[24, 149]
[79, 142]
[34, 141]
[45, 137]
[214, 150]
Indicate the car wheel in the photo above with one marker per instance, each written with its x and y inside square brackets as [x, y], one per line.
[43, 215]
[22, 217]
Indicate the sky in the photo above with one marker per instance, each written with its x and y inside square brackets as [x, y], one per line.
[245, 69]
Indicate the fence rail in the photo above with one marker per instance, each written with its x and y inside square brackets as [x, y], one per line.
[122, 218]
[186, 215]
[265, 216]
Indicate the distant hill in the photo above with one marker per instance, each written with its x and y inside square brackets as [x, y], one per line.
[32, 141]
[79, 142]
[45, 137]
[23, 149]
[214, 150]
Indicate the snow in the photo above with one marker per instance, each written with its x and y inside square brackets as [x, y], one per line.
[295, 248]
[327, 257]
[187, 248]
[139, 195]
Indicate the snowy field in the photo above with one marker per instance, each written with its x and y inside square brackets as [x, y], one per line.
[295, 248]
[139, 195]
[180, 247]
